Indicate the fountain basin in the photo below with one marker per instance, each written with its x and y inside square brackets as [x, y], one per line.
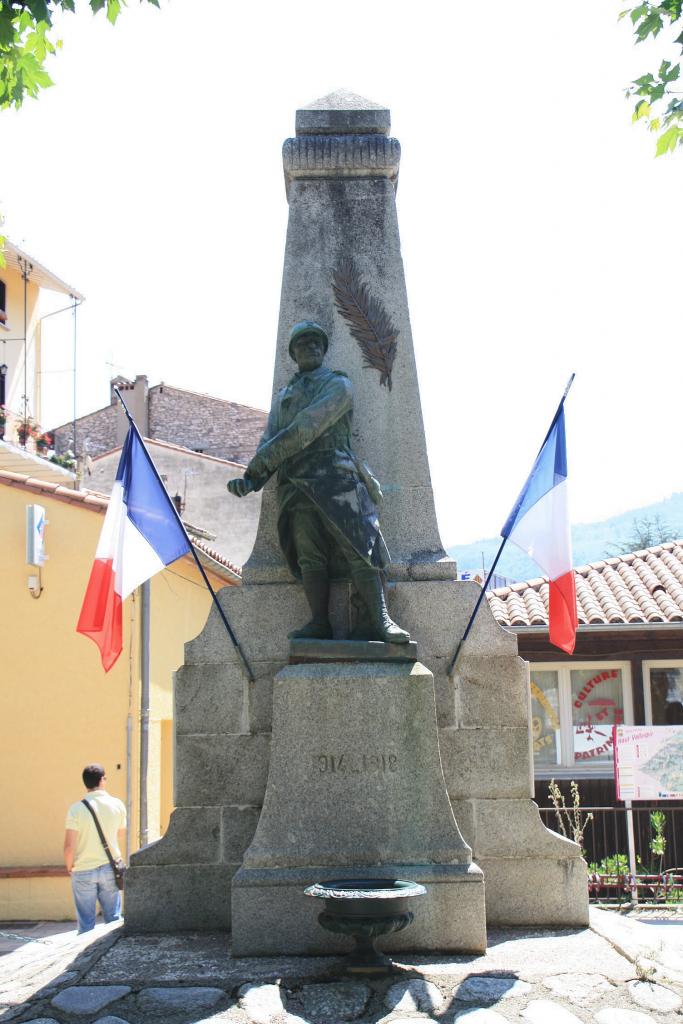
[366, 909]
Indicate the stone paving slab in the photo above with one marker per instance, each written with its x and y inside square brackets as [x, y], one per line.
[486, 989]
[532, 954]
[335, 1001]
[84, 1000]
[545, 1011]
[577, 987]
[203, 959]
[527, 976]
[621, 1016]
[639, 941]
[414, 996]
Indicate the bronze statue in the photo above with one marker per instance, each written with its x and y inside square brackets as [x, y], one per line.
[328, 523]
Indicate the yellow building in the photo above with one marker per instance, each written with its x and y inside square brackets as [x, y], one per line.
[21, 320]
[58, 709]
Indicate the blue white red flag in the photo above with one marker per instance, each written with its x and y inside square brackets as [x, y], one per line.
[539, 525]
[141, 535]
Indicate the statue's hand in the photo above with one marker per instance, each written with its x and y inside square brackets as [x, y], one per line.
[240, 486]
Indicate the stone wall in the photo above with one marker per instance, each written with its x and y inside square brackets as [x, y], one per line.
[95, 433]
[200, 480]
[215, 427]
[226, 430]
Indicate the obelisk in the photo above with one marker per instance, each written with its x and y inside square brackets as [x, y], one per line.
[341, 173]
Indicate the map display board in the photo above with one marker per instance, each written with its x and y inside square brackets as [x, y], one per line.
[648, 762]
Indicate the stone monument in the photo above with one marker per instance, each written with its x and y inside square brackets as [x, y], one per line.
[354, 768]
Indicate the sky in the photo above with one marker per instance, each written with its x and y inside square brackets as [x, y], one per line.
[540, 236]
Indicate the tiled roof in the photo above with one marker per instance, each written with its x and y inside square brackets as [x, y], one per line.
[90, 499]
[18, 460]
[99, 503]
[173, 448]
[16, 258]
[641, 587]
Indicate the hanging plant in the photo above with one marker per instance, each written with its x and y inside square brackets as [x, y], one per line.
[26, 429]
[44, 441]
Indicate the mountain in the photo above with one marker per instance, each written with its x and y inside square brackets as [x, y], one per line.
[590, 541]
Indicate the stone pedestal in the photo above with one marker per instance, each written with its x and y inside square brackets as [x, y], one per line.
[355, 790]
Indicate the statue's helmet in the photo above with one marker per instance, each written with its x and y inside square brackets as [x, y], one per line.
[307, 327]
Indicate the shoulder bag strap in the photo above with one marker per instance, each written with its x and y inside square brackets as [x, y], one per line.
[101, 833]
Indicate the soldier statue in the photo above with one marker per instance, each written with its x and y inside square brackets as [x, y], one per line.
[327, 497]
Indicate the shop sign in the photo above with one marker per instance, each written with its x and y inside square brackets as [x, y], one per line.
[648, 762]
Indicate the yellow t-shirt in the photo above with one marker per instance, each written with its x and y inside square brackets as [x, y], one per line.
[112, 816]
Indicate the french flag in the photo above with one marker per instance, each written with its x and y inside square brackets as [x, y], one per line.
[141, 534]
[539, 525]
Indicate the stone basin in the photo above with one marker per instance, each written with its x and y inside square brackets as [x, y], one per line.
[366, 909]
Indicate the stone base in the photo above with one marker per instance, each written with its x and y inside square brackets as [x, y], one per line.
[222, 753]
[302, 651]
[178, 897]
[271, 915]
[533, 876]
[355, 790]
[536, 891]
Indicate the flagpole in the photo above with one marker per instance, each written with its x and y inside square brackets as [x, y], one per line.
[500, 549]
[235, 641]
[476, 607]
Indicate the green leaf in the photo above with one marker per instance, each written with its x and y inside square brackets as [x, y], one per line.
[667, 142]
[649, 26]
[6, 26]
[39, 10]
[642, 110]
[639, 12]
[97, 5]
[113, 10]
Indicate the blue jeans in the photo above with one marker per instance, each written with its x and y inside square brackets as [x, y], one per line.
[90, 886]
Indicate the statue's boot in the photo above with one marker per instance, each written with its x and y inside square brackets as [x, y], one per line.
[317, 591]
[380, 625]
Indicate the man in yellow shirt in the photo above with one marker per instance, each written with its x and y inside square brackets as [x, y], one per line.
[92, 877]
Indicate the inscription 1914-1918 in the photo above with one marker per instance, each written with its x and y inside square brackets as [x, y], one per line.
[355, 764]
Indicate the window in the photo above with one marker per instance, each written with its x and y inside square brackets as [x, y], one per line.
[663, 686]
[3, 302]
[573, 709]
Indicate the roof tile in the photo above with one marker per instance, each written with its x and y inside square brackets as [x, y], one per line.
[640, 587]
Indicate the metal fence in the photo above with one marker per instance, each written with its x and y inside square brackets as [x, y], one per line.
[624, 859]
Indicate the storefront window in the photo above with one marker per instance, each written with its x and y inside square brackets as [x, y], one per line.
[665, 683]
[545, 718]
[573, 709]
[597, 705]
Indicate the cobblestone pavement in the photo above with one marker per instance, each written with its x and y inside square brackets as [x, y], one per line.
[620, 971]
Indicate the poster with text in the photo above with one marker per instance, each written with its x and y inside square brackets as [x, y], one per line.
[648, 762]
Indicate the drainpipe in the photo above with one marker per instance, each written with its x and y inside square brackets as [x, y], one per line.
[26, 269]
[144, 706]
[74, 308]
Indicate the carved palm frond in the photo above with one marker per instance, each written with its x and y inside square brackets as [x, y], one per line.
[368, 320]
